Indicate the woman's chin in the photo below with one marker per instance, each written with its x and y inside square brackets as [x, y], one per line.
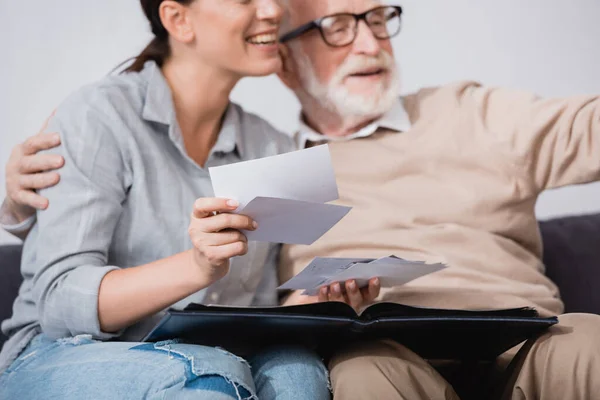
[263, 67]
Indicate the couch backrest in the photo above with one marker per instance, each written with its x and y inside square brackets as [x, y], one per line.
[10, 280]
[572, 259]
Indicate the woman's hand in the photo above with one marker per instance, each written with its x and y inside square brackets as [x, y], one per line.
[215, 234]
[28, 171]
[149, 288]
[349, 294]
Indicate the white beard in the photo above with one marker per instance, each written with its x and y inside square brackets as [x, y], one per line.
[335, 97]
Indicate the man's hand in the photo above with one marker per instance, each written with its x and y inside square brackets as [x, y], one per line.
[352, 295]
[215, 234]
[28, 171]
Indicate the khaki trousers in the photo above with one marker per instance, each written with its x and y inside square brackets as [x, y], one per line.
[564, 364]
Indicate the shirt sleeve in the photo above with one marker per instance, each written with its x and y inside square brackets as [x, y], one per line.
[557, 140]
[10, 224]
[71, 241]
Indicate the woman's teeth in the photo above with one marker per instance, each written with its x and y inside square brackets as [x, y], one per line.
[263, 39]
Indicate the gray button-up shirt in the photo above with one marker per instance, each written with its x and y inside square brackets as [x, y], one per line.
[125, 199]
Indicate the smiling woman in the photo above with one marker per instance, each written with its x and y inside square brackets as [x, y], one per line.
[114, 249]
[251, 48]
[158, 50]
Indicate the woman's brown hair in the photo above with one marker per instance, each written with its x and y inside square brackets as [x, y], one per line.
[158, 50]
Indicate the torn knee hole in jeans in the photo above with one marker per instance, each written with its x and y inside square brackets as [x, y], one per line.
[77, 340]
[167, 345]
[237, 358]
[197, 368]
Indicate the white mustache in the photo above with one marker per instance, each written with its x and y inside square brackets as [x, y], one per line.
[357, 64]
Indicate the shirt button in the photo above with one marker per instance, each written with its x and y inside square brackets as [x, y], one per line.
[214, 297]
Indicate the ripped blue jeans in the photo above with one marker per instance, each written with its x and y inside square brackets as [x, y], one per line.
[81, 368]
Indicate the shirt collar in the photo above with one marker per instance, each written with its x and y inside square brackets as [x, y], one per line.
[159, 108]
[231, 136]
[158, 102]
[396, 119]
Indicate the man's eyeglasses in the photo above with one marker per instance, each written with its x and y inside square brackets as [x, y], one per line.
[340, 30]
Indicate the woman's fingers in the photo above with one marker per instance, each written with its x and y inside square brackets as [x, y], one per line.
[208, 206]
[215, 231]
[218, 254]
[225, 237]
[221, 222]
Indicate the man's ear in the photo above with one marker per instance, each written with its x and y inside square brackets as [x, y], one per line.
[174, 17]
[287, 73]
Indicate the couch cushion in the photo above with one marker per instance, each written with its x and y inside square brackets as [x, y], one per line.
[572, 258]
[10, 280]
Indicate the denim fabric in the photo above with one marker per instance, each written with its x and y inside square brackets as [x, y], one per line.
[82, 368]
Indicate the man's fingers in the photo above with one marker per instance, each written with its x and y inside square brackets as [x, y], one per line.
[354, 294]
[40, 163]
[323, 294]
[39, 181]
[207, 206]
[41, 141]
[220, 222]
[32, 199]
[371, 292]
[335, 293]
[47, 121]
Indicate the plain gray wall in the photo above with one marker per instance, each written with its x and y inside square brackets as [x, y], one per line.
[50, 48]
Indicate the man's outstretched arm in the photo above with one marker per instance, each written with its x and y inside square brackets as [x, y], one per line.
[555, 140]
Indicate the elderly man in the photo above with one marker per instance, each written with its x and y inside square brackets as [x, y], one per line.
[446, 174]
